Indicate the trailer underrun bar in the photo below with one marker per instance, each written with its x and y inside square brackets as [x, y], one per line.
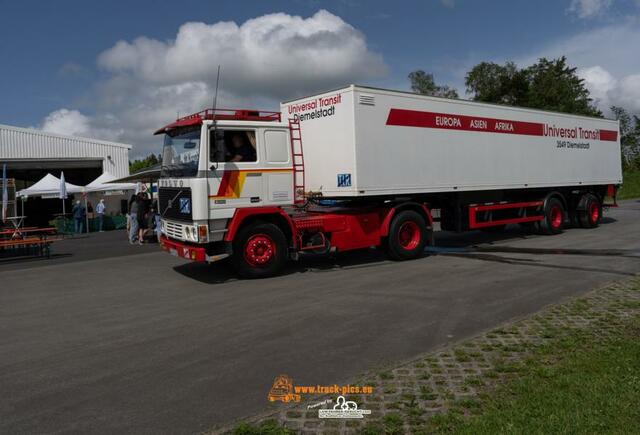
[474, 223]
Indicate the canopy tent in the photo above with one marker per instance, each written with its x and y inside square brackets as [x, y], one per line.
[104, 183]
[48, 187]
[146, 175]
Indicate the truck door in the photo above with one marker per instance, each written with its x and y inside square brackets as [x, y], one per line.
[278, 175]
[235, 181]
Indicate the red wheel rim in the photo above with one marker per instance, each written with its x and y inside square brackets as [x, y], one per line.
[409, 235]
[556, 216]
[594, 212]
[259, 250]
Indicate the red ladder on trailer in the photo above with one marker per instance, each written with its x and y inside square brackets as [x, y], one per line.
[298, 161]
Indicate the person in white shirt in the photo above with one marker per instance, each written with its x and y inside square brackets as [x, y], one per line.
[100, 208]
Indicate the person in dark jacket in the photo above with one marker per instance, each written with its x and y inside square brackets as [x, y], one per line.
[79, 214]
[143, 209]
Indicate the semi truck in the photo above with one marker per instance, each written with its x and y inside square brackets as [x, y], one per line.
[359, 167]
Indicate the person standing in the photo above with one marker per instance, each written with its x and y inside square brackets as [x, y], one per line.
[100, 209]
[143, 209]
[79, 214]
[133, 218]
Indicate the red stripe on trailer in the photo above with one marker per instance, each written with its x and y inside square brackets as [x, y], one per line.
[448, 121]
[474, 224]
[609, 135]
[453, 121]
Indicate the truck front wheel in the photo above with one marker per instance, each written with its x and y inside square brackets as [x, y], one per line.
[407, 236]
[259, 250]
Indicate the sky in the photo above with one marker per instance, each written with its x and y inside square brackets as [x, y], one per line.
[119, 70]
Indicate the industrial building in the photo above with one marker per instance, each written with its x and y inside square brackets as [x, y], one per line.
[30, 154]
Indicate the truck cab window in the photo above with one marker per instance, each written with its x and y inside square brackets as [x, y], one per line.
[238, 145]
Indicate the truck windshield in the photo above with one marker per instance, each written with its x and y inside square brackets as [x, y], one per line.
[181, 153]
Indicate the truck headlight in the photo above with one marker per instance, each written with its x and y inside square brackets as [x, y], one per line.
[188, 233]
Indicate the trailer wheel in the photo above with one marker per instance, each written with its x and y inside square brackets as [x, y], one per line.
[591, 211]
[554, 215]
[407, 236]
[259, 251]
[494, 229]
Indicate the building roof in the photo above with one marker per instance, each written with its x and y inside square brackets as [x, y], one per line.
[35, 132]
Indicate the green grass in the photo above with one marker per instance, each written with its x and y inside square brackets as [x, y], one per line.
[580, 385]
[630, 185]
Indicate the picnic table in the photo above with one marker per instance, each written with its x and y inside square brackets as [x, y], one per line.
[16, 221]
[26, 238]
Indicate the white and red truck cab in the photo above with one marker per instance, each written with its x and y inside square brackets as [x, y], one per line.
[240, 183]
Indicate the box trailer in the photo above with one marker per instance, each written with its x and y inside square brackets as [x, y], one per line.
[362, 141]
[359, 167]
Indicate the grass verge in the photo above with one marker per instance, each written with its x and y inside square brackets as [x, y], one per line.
[580, 384]
[630, 185]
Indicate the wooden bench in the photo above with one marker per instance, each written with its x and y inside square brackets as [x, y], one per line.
[40, 238]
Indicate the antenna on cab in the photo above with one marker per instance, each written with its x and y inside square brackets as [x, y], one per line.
[215, 95]
[213, 117]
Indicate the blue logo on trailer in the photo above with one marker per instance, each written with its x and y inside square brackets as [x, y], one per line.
[185, 205]
[344, 180]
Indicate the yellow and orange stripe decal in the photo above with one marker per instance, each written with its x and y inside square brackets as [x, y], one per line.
[233, 181]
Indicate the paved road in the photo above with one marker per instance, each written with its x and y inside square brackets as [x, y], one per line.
[149, 344]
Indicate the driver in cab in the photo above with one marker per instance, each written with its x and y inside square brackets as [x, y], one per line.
[240, 150]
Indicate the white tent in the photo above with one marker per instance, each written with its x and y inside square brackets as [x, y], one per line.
[48, 187]
[103, 184]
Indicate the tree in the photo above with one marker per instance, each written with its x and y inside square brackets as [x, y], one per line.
[547, 85]
[423, 83]
[148, 161]
[555, 86]
[493, 83]
[629, 137]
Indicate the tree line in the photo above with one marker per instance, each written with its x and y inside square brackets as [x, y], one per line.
[139, 164]
[547, 84]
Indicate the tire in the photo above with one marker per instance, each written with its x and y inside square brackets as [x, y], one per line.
[590, 211]
[531, 227]
[259, 251]
[407, 236]
[554, 216]
[494, 229]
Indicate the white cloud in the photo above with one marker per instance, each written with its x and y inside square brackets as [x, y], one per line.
[74, 123]
[588, 8]
[264, 60]
[65, 121]
[599, 82]
[275, 55]
[627, 93]
[71, 70]
[606, 58]
[608, 91]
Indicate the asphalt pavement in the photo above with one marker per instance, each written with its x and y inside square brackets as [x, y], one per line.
[137, 341]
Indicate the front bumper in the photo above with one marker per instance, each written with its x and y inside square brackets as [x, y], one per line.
[190, 252]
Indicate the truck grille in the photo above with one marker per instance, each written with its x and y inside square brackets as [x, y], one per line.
[173, 230]
[181, 207]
